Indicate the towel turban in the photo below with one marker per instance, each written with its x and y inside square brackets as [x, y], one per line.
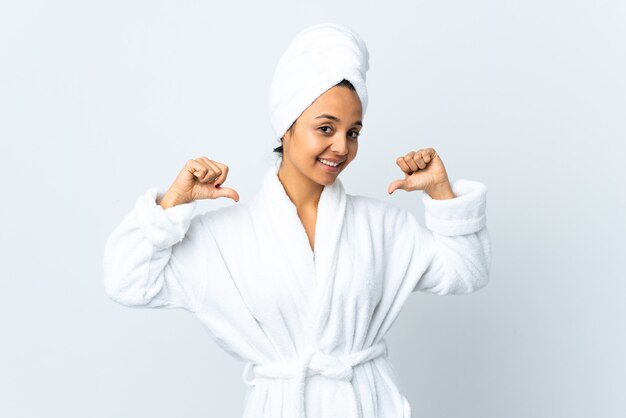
[317, 58]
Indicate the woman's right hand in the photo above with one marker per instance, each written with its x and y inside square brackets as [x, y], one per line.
[199, 179]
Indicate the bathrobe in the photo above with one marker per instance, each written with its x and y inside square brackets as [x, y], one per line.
[309, 323]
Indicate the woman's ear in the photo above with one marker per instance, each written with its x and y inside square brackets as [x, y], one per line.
[289, 132]
[285, 137]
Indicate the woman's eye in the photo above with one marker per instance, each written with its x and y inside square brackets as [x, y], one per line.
[354, 136]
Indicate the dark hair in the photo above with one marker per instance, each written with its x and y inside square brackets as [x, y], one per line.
[342, 83]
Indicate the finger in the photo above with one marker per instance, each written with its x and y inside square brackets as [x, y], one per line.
[212, 173]
[396, 184]
[222, 170]
[198, 169]
[227, 192]
[419, 160]
[203, 171]
[403, 166]
[411, 162]
[216, 172]
[219, 173]
[224, 175]
[428, 156]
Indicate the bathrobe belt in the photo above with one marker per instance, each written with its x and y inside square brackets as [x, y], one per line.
[332, 366]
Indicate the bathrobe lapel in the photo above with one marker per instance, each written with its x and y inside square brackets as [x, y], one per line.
[331, 211]
[313, 271]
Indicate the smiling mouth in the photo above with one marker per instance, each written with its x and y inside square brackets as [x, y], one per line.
[330, 164]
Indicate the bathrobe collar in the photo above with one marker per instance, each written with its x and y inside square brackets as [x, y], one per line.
[317, 267]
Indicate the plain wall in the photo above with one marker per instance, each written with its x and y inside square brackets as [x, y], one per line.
[101, 100]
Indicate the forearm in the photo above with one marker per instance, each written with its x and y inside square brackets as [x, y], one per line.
[138, 256]
[460, 238]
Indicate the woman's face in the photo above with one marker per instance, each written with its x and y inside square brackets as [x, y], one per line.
[328, 129]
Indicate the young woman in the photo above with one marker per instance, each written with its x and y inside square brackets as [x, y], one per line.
[303, 282]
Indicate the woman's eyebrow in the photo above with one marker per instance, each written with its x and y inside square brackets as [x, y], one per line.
[335, 118]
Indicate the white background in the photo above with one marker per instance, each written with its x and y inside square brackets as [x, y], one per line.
[101, 100]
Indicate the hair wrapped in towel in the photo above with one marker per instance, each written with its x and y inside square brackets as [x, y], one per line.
[317, 58]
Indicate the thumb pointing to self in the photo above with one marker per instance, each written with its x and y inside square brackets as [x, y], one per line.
[226, 192]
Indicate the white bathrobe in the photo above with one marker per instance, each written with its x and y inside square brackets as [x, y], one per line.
[309, 324]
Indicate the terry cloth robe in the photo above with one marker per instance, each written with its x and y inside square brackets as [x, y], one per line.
[309, 324]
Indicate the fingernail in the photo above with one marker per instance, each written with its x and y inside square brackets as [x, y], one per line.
[217, 185]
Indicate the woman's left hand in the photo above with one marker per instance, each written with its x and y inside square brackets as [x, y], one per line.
[423, 170]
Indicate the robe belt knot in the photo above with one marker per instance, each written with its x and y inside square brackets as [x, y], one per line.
[338, 367]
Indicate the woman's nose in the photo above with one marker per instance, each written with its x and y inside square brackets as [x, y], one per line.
[340, 144]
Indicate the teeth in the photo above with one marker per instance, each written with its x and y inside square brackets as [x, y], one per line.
[328, 162]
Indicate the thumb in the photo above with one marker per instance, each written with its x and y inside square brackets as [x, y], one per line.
[226, 192]
[396, 184]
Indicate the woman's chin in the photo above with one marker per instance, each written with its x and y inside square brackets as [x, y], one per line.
[323, 180]
[328, 180]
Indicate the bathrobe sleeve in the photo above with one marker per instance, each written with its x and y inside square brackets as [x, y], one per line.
[152, 259]
[456, 238]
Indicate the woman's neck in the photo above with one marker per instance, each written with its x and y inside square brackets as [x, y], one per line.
[302, 191]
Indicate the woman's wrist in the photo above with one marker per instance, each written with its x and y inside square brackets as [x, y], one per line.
[170, 200]
[441, 191]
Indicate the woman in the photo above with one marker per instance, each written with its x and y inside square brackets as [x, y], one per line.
[303, 282]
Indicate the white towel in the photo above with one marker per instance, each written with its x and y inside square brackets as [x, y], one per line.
[317, 58]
